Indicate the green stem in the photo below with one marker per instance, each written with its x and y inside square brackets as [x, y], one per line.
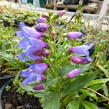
[16, 80]
[106, 98]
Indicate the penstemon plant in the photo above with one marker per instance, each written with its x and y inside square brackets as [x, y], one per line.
[56, 59]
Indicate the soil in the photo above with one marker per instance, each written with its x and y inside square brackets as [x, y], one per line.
[13, 100]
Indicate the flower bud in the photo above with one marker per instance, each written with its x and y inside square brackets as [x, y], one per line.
[41, 20]
[79, 60]
[74, 35]
[38, 87]
[73, 73]
[61, 13]
[43, 78]
[53, 32]
[50, 12]
[46, 52]
[38, 60]
[42, 27]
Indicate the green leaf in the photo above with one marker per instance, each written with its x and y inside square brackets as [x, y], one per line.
[98, 81]
[78, 83]
[105, 89]
[66, 68]
[89, 93]
[74, 105]
[96, 87]
[28, 87]
[52, 101]
[89, 105]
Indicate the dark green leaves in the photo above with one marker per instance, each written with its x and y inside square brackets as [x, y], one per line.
[79, 83]
[89, 105]
[74, 105]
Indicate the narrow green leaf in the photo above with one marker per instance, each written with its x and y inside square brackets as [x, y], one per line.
[28, 87]
[89, 105]
[78, 83]
[89, 93]
[96, 86]
[105, 89]
[98, 81]
[73, 105]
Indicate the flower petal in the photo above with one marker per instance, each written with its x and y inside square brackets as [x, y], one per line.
[73, 73]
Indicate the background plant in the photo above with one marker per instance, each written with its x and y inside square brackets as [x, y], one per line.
[9, 64]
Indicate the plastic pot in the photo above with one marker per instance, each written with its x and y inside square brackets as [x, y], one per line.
[4, 79]
[1, 92]
[26, 105]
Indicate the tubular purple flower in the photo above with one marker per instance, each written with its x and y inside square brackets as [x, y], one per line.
[31, 45]
[41, 20]
[46, 52]
[39, 87]
[79, 60]
[83, 49]
[30, 57]
[61, 13]
[43, 77]
[34, 72]
[73, 73]
[42, 52]
[38, 60]
[74, 35]
[29, 32]
[42, 27]
[35, 68]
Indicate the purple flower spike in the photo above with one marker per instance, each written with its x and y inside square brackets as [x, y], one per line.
[39, 87]
[34, 72]
[31, 45]
[29, 32]
[79, 60]
[42, 27]
[73, 73]
[30, 79]
[41, 20]
[74, 35]
[83, 49]
[61, 13]
[35, 68]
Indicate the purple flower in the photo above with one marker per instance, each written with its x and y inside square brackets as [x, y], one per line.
[83, 49]
[74, 35]
[42, 27]
[43, 77]
[29, 32]
[30, 46]
[39, 87]
[42, 52]
[79, 60]
[41, 20]
[73, 73]
[46, 52]
[34, 72]
[61, 13]
[38, 60]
